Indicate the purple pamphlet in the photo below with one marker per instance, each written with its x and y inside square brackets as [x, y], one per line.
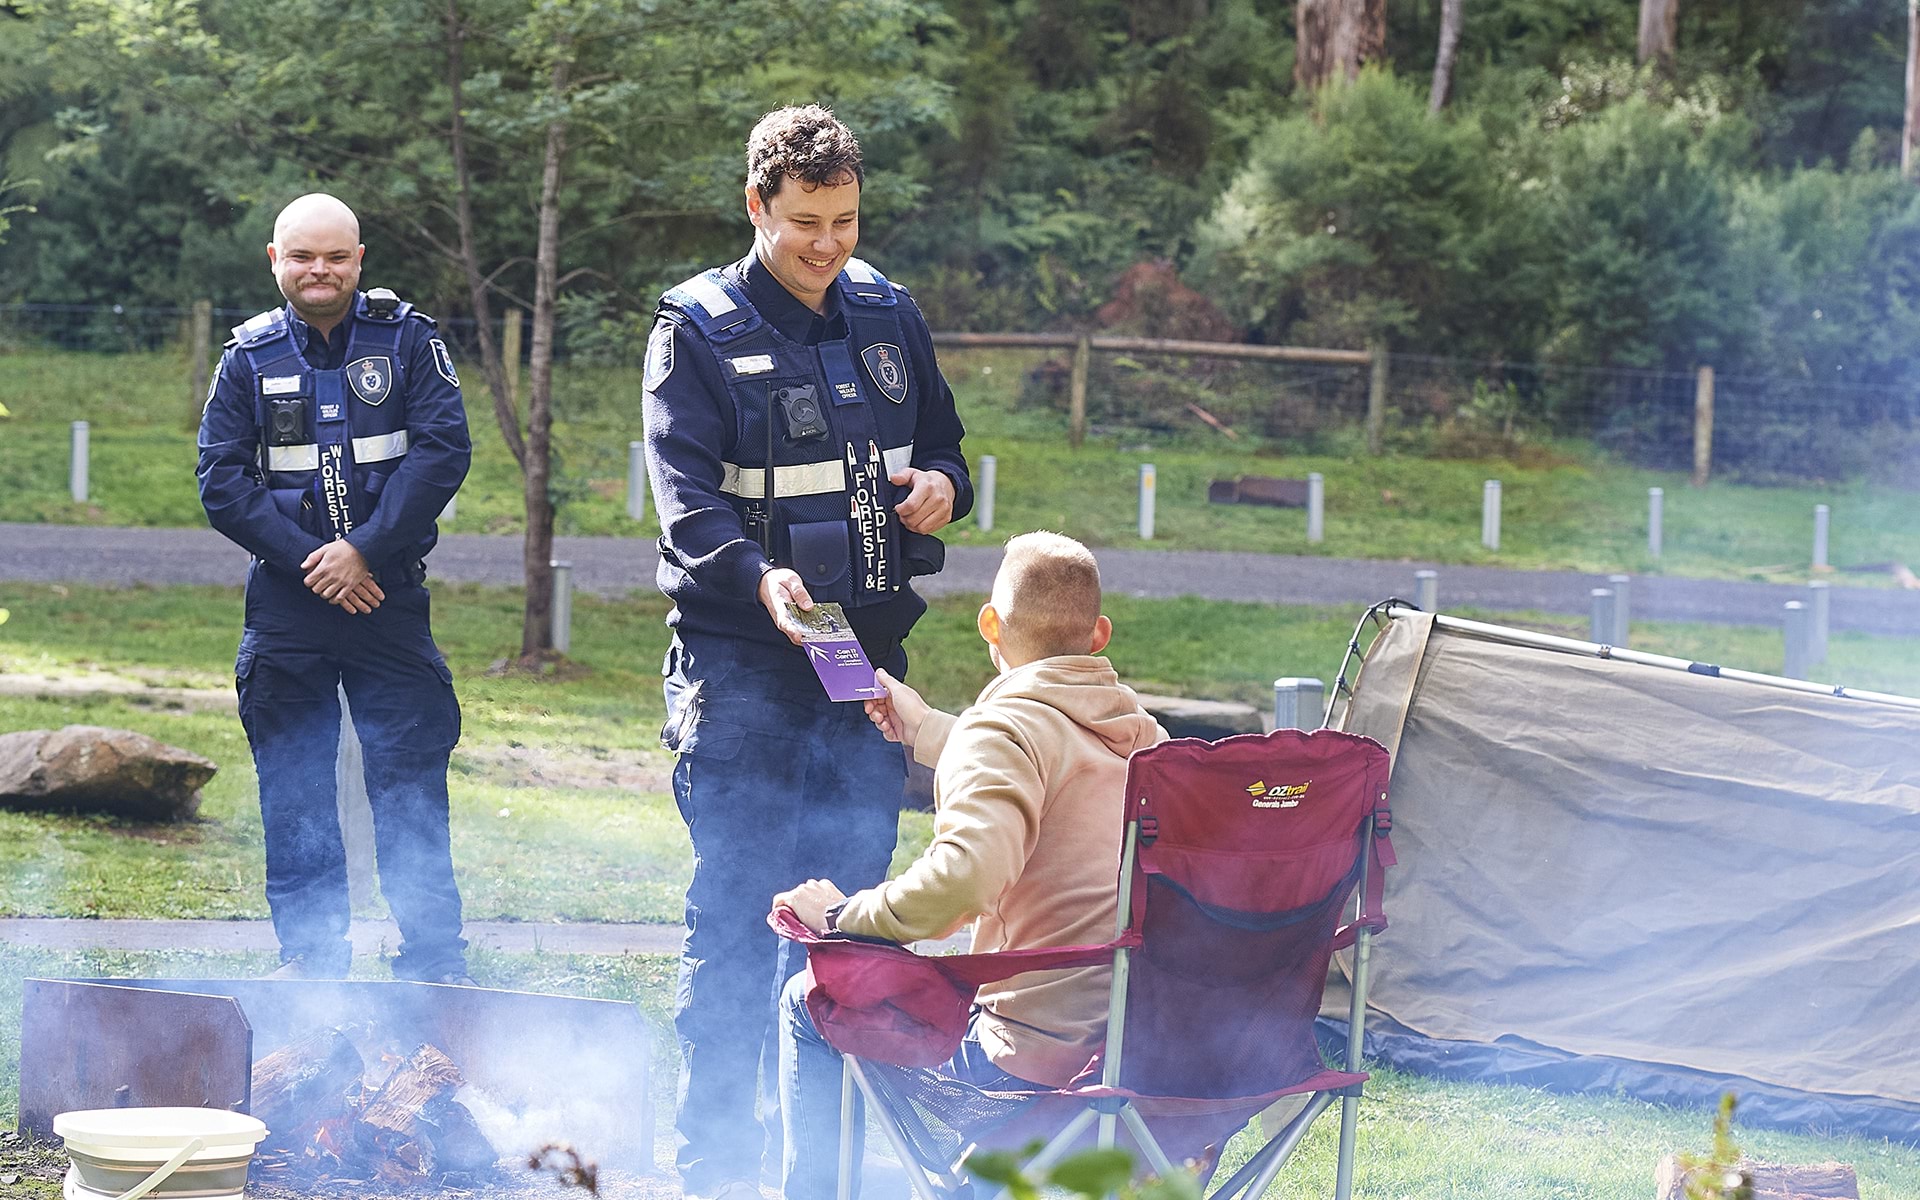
[831, 647]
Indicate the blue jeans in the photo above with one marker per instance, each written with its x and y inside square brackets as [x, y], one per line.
[810, 1072]
[777, 784]
[296, 653]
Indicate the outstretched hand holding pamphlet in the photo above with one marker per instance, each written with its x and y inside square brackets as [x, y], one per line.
[829, 643]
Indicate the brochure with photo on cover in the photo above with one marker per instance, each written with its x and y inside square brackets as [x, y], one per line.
[835, 653]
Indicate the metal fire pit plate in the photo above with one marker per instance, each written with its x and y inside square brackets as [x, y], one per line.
[566, 1068]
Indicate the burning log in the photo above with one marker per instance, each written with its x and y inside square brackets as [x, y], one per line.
[417, 1129]
[331, 1117]
[307, 1082]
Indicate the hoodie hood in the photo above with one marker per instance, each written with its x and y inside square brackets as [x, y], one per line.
[1087, 691]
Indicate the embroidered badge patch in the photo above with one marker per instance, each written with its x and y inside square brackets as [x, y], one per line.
[371, 378]
[443, 362]
[889, 370]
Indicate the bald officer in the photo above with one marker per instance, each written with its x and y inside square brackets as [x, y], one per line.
[333, 437]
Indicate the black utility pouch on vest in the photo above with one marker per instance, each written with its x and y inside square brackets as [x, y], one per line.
[925, 553]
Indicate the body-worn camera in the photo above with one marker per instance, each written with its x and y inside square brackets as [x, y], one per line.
[800, 405]
[382, 303]
[287, 421]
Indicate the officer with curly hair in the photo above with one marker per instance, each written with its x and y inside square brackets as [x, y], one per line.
[803, 448]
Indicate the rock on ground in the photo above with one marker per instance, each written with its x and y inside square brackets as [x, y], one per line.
[88, 768]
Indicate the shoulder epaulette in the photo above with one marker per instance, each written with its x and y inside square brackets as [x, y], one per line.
[717, 307]
[864, 285]
[259, 327]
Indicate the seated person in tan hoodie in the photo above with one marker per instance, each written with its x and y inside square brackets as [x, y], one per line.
[1028, 793]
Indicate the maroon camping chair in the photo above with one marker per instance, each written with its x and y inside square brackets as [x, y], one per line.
[1240, 860]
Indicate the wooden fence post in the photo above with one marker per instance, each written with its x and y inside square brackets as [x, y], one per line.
[1077, 392]
[1376, 397]
[515, 320]
[1702, 425]
[199, 346]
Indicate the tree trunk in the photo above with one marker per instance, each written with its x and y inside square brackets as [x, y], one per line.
[1333, 37]
[492, 368]
[1908, 138]
[1443, 61]
[536, 634]
[1659, 20]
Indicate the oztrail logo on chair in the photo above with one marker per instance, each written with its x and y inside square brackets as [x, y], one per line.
[1280, 795]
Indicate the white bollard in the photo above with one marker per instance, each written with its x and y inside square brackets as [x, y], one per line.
[1622, 603]
[562, 605]
[447, 513]
[1146, 501]
[1600, 623]
[636, 481]
[1656, 502]
[1426, 590]
[1794, 629]
[1299, 703]
[1316, 508]
[1490, 515]
[77, 470]
[1820, 520]
[983, 493]
[1820, 610]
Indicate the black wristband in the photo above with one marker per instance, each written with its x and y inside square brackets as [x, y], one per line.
[832, 917]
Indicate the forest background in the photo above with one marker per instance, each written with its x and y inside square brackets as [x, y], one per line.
[1154, 167]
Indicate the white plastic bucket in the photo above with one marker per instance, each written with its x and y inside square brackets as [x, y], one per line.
[163, 1153]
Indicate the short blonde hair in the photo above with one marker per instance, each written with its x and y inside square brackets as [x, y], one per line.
[1048, 596]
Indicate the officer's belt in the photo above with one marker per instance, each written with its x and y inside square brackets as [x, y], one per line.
[401, 574]
[378, 448]
[802, 479]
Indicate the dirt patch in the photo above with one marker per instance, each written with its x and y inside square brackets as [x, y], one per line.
[594, 767]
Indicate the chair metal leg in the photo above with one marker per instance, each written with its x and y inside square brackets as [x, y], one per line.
[917, 1175]
[1149, 1145]
[1253, 1179]
[1356, 1043]
[843, 1185]
[1056, 1149]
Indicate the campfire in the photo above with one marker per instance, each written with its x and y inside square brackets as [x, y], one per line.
[393, 1086]
[335, 1112]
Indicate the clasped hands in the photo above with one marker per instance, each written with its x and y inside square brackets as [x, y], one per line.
[338, 574]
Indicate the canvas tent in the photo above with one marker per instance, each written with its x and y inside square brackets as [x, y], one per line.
[1620, 875]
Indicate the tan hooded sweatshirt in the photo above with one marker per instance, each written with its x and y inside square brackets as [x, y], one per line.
[1029, 788]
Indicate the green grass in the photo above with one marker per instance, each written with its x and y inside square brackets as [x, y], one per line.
[1565, 507]
[560, 796]
[1419, 1139]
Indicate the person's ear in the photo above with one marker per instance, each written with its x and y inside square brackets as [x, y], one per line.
[988, 623]
[755, 209]
[1102, 634]
[273, 255]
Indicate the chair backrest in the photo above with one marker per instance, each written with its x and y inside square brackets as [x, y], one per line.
[1248, 853]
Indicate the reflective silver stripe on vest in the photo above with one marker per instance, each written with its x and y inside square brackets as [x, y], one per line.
[711, 296]
[380, 447]
[805, 479]
[293, 458]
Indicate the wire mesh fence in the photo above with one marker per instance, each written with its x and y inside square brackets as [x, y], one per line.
[1760, 427]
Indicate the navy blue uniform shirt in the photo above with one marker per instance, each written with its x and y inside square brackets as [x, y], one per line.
[402, 525]
[691, 427]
